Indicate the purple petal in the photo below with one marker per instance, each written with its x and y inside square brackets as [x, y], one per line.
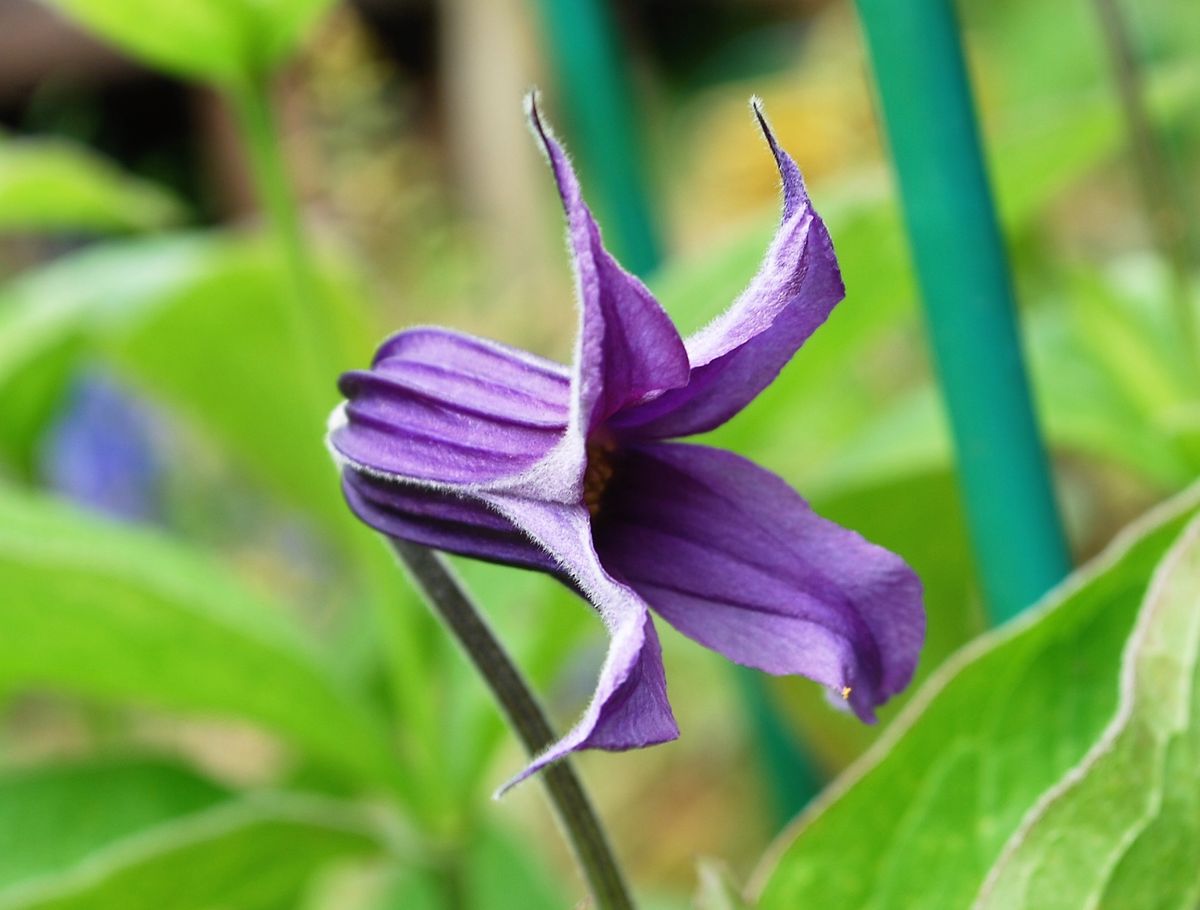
[628, 349]
[731, 556]
[629, 708]
[442, 520]
[450, 409]
[742, 351]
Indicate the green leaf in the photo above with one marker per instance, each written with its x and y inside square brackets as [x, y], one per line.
[51, 317]
[920, 819]
[215, 349]
[259, 854]
[91, 292]
[50, 185]
[502, 872]
[491, 871]
[225, 41]
[1122, 828]
[201, 39]
[1088, 409]
[51, 818]
[197, 321]
[123, 615]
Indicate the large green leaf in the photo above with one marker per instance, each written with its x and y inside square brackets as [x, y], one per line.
[94, 291]
[51, 818]
[52, 185]
[199, 321]
[215, 40]
[51, 317]
[199, 324]
[217, 350]
[259, 854]
[1122, 829]
[116, 614]
[920, 819]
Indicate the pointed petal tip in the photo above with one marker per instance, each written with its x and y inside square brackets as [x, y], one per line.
[854, 701]
[533, 116]
[668, 732]
[516, 779]
[794, 192]
[760, 114]
[560, 163]
[531, 101]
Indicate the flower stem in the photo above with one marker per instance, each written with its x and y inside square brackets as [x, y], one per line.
[575, 813]
[252, 105]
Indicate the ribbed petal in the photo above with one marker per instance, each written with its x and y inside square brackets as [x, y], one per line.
[628, 349]
[629, 708]
[442, 520]
[450, 409]
[742, 351]
[731, 556]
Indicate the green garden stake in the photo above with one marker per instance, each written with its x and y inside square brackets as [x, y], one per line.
[921, 78]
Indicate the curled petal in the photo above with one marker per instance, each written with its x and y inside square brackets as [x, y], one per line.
[443, 520]
[449, 409]
[629, 708]
[731, 556]
[628, 349]
[741, 352]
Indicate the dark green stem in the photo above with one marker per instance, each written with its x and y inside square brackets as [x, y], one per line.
[1164, 211]
[961, 267]
[575, 814]
[252, 104]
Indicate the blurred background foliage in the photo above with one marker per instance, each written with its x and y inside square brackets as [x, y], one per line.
[216, 688]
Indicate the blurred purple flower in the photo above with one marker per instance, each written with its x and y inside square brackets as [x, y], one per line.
[476, 448]
[101, 453]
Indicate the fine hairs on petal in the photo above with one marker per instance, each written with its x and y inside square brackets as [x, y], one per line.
[443, 413]
[544, 137]
[627, 632]
[787, 167]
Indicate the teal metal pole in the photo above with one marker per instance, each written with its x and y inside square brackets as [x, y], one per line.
[923, 89]
[588, 62]
[791, 779]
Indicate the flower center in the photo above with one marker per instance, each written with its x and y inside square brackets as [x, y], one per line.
[599, 473]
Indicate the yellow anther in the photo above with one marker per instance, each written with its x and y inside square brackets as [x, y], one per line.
[846, 690]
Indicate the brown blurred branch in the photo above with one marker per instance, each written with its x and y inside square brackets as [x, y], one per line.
[1165, 208]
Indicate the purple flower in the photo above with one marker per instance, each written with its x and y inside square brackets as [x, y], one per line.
[102, 451]
[476, 448]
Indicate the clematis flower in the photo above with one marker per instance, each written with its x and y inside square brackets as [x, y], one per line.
[472, 447]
